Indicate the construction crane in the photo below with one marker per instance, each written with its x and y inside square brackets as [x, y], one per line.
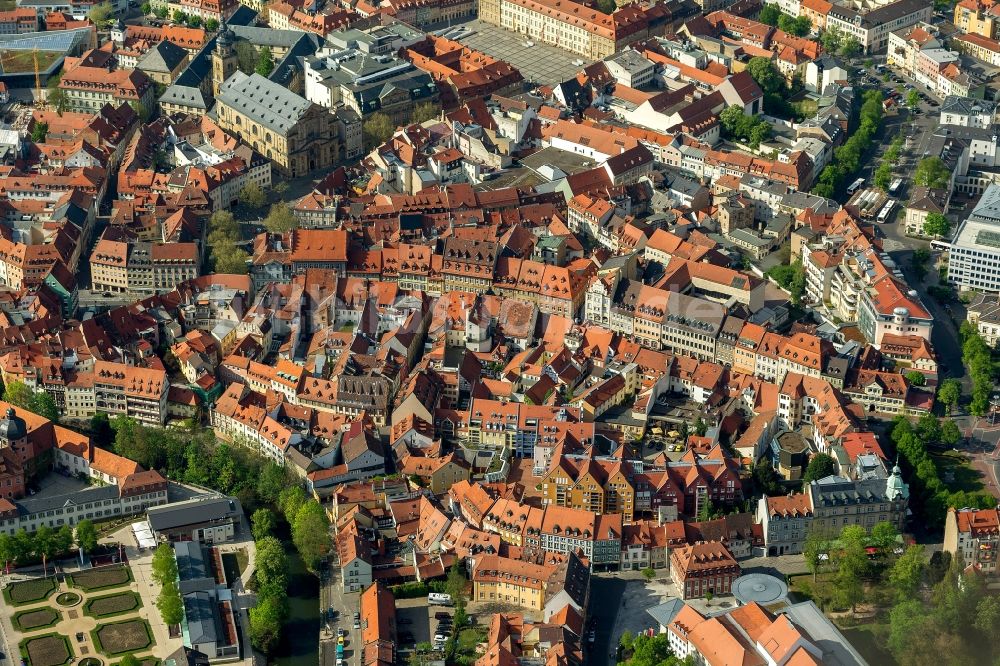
[39, 100]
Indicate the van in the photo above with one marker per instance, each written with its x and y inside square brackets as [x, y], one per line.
[439, 599]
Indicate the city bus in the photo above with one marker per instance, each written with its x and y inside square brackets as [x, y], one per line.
[883, 215]
[856, 185]
[894, 187]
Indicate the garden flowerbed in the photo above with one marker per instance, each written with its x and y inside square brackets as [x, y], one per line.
[29, 591]
[39, 618]
[48, 650]
[122, 637]
[99, 579]
[112, 604]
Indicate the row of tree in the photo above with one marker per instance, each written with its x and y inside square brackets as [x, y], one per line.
[195, 456]
[309, 524]
[847, 158]
[164, 569]
[46, 544]
[271, 574]
[927, 490]
[978, 358]
[883, 174]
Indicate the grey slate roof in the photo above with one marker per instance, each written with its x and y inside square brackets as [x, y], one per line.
[264, 101]
[80, 497]
[164, 57]
[202, 618]
[192, 512]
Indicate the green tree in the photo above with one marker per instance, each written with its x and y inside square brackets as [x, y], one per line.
[791, 278]
[229, 259]
[770, 15]
[883, 176]
[164, 565]
[100, 430]
[101, 14]
[42, 543]
[62, 541]
[290, 501]
[455, 585]
[950, 433]
[43, 404]
[427, 111]
[18, 394]
[850, 47]
[272, 567]
[129, 660]
[649, 573]
[160, 12]
[932, 172]
[937, 225]
[311, 534]
[907, 572]
[814, 550]
[280, 219]
[86, 535]
[271, 481]
[606, 6]
[146, 9]
[170, 604]
[211, 25]
[246, 56]
[766, 75]
[262, 523]
[949, 393]
[913, 99]
[916, 378]
[265, 62]
[765, 479]
[194, 21]
[253, 196]
[906, 620]
[377, 129]
[883, 535]
[266, 619]
[831, 39]
[852, 566]
[8, 550]
[820, 466]
[179, 17]
[39, 131]
[798, 26]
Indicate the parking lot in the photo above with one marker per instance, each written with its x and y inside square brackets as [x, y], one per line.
[538, 63]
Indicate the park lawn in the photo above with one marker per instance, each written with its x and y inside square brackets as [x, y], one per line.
[469, 638]
[869, 639]
[956, 472]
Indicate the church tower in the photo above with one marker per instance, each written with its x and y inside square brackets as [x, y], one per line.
[224, 60]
